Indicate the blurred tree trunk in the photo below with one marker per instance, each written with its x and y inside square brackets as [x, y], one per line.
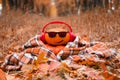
[53, 9]
[4, 4]
[11, 4]
[0, 1]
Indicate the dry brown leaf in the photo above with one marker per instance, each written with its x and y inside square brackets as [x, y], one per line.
[68, 76]
[54, 65]
[118, 50]
[10, 77]
[2, 75]
[43, 68]
[17, 48]
[87, 72]
[28, 77]
[26, 68]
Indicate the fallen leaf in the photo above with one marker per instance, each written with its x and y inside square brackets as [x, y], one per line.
[2, 75]
[26, 68]
[54, 65]
[40, 59]
[118, 50]
[108, 76]
[10, 77]
[43, 68]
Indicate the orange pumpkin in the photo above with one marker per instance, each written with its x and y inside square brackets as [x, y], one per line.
[56, 39]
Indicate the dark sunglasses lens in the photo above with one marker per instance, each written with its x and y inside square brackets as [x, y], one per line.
[52, 34]
[62, 34]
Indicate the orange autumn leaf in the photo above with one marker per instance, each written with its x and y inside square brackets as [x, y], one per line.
[66, 67]
[108, 76]
[76, 58]
[2, 75]
[103, 66]
[28, 77]
[41, 58]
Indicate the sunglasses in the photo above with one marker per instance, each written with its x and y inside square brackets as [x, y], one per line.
[53, 34]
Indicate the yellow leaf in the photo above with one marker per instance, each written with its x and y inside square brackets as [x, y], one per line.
[41, 58]
[66, 68]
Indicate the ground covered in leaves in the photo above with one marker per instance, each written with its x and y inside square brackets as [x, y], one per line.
[16, 28]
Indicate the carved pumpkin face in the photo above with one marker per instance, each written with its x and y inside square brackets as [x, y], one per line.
[57, 37]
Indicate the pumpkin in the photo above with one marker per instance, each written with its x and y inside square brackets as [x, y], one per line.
[57, 39]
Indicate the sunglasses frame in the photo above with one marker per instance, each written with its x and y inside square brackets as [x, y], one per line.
[53, 34]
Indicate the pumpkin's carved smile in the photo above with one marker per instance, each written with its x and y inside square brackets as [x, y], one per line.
[60, 41]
